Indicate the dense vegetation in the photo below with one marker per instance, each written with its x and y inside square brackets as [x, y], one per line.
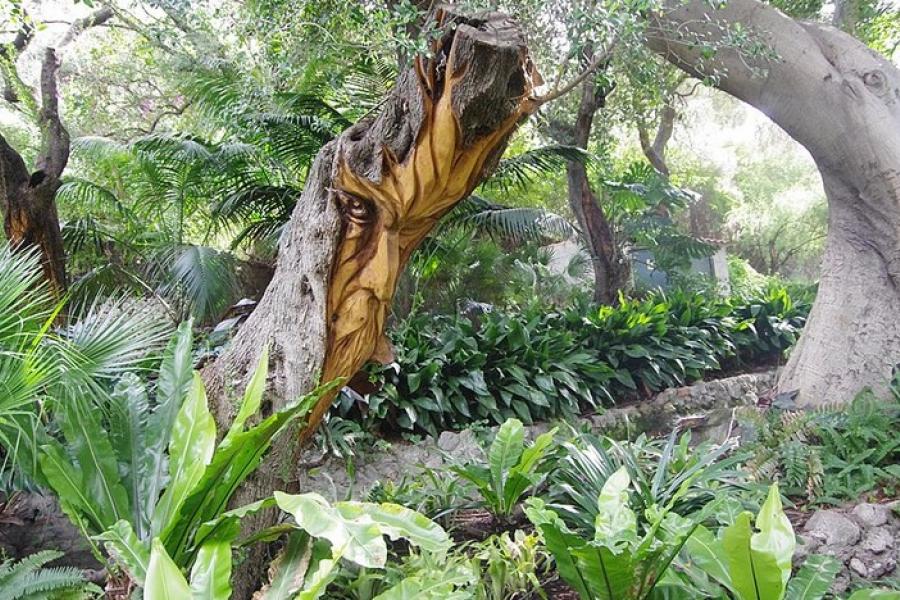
[640, 231]
[539, 362]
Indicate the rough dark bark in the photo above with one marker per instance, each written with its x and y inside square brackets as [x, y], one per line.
[611, 267]
[841, 101]
[371, 196]
[30, 218]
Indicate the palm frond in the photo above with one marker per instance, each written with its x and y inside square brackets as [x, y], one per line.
[202, 278]
[514, 224]
[108, 338]
[518, 172]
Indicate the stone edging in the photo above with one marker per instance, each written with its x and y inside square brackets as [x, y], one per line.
[709, 405]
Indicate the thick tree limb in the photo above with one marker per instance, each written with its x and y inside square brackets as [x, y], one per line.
[839, 99]
[655, 151]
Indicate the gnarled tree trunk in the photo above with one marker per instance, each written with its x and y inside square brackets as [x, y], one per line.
[612, 271]
[372, 195]
[30, 219]
[841, 101]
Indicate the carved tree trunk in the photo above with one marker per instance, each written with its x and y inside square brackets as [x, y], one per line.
[372, 195]
[611, 267]
[841, 101]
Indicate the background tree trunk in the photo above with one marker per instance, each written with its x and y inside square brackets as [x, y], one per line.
[30, 218]
[841, 101]
[371, 196]
[610, 265]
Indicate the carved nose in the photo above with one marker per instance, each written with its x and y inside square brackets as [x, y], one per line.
[381, 272]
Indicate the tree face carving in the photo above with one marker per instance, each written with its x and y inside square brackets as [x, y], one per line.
[438, 151]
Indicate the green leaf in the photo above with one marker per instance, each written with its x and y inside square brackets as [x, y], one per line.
[252, 396]
[288, 570]
[211, 573]
[505, 451]
[175, 378]
[65, 480]
[813, 579]
[708, 554]
[164, 578]
[397, 522]
[357, 539]
[609, 576]
[532, 455]
[615, 521]
[190, 450]
[229, 467]
[873, 594]
[91, 447]
[320, 573]
[127, 550]
[754, 575]
[427, 585]
[775, 536]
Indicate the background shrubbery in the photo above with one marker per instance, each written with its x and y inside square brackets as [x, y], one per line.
[537, 363]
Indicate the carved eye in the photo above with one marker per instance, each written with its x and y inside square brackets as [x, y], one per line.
[358, 209]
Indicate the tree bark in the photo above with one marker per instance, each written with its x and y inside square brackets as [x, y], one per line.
[655, 151]
[370, 198]
[611, 268]
[841, 101]
[30, 218]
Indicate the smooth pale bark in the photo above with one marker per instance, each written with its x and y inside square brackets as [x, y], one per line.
[370, 198]
[841, 101]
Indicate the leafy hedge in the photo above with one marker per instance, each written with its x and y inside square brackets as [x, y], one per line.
[537, 363]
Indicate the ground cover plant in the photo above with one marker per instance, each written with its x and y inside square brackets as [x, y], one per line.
[491, 220]
[540, 362]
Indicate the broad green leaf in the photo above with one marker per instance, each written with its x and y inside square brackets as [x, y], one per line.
[609, 576]
[562, 544]
[175, 377]
[775, 536]
[532, 455]
[211, 573]
[707, 553]
[191, 448]
[397, 522]
[288, 570]
[615, 521]
[321, 572]
[91, 447]
[505, 451]
[754, 575]
[227, 526]
[252, 396]
[357, 539]
[431, 586]
[516, 484]
[872, 594]
[230, 466]
[129, 411]
[813, 579]
[164, 578]
[65, 478]
[127, 550]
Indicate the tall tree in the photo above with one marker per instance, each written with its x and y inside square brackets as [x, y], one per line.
[839, 99]
[28, 196]
[371, 196]
[611, 267]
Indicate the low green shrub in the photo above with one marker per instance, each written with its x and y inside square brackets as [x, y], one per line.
[540, 363]
[829, 454]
